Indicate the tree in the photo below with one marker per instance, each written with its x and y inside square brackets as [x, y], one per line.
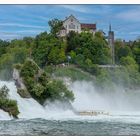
[127, 61]
[131, 67]
[54, 57]
[48, 49]
[55, 26]
[136, 52]
[73, 41]
[3, 47]
[7, 60]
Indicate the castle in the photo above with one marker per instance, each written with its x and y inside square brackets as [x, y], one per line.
[73, 24]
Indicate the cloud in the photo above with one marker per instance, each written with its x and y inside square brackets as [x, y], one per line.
[9, 36]
[134, 33]
[77, 8]
[30, 31]
[130, 15]
[22, 25]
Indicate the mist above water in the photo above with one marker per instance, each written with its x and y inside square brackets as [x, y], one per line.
[86, 98]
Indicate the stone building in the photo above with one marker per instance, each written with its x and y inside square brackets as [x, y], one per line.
[111, 44]
[73, 24]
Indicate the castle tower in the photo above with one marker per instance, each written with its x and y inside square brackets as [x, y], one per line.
[111, 44]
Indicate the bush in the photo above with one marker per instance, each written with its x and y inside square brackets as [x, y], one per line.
[6, 104]
[17, 66]
[9, 106]
[38, 90]
[29, 69]
[4, 92]
[56, 90]
[23, 93]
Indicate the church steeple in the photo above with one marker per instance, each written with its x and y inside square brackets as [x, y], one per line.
[111, 43]
[110, 27]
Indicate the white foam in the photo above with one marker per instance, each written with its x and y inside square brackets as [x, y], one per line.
[4, 115]
[29, 108]
[120, 106]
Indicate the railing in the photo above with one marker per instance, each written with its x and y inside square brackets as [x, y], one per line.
[109, 66]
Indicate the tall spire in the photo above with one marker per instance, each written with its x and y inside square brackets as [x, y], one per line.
[109, 27]
[111, 43]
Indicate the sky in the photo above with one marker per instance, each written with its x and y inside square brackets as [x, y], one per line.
[18, 21]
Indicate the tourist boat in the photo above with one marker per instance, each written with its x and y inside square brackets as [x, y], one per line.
[92, 113]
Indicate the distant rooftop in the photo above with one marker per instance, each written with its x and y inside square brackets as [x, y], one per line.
[89, 26]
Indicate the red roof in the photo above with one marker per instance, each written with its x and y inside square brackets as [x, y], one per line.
[89, 26]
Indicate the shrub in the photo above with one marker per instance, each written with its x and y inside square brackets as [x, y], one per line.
[6, 104]
[58, 91]
[4, 92]
[9, 106]
[29, 69]
[23, 93]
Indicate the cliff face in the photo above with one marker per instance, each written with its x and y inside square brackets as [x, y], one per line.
[21, 88]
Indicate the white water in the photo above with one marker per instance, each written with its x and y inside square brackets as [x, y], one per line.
[117, 104]
[87, 98]
[4, 115]
[28, 108]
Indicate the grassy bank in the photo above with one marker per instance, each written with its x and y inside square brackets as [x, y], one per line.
[72, 72]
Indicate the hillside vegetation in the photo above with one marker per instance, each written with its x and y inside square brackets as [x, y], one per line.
[85, 51]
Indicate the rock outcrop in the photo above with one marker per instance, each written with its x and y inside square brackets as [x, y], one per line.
[21, 88]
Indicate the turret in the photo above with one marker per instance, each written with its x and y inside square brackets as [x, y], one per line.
[111, 43]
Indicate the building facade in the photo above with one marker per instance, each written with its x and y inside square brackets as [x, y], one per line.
[73, 24]
[111, 44]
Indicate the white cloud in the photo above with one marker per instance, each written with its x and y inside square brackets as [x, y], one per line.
[22, 25]
[77, 8]
[90, 9]
[130, 15]
[9, 36]
[134, 33]
[29, 31]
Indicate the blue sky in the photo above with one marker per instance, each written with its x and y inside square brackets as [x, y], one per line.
[17, 21]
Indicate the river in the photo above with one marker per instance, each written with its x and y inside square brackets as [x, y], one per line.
[34, 119]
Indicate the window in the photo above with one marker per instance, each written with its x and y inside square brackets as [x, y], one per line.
[71, 20]
[71, 26]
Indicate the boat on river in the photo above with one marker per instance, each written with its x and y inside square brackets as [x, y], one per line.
[91, 113]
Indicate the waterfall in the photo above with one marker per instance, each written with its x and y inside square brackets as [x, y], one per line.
[117, 101]
[4, 115]
[86, 98]
[29, 108]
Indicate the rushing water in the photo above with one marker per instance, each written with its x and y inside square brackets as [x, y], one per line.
[34, 119]
[68, 127]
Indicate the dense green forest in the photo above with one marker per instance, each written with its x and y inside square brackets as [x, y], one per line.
[85, 51]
